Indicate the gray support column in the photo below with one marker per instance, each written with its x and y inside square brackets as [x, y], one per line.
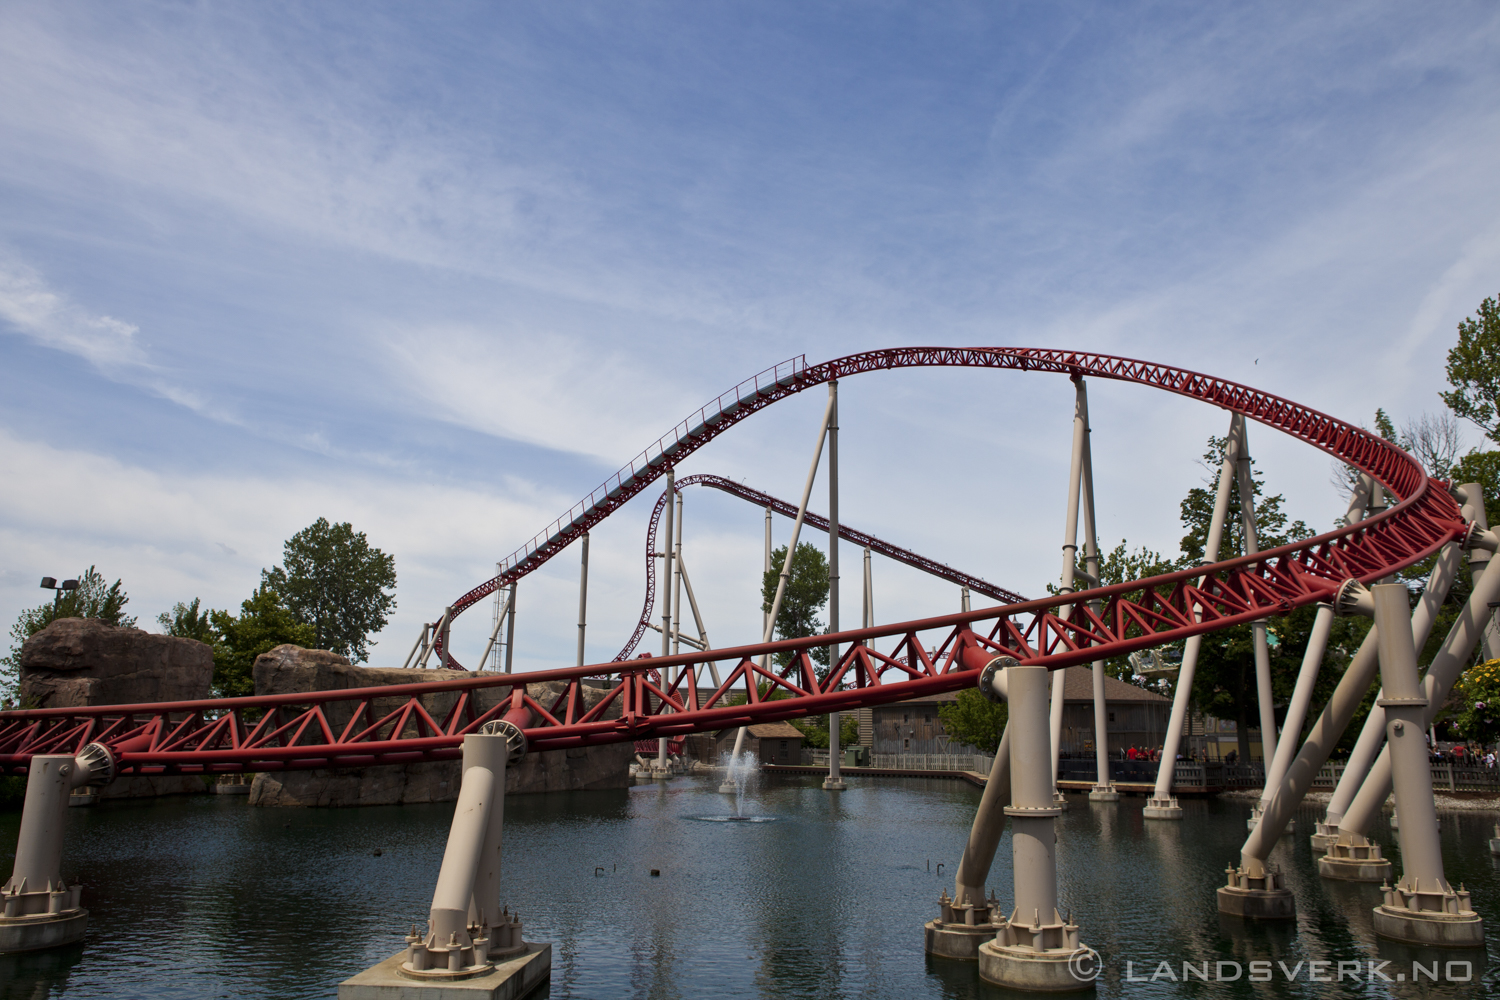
[1070, 562]
[833, 782]
[468, 929]
[1162, 805]
[37, 909]
[510, 629]
[1032, 950]
[1352, 856]
[786, 566]
[972, 917]
[1263, 694]
[677, 588]
[1296, 713]
[1104, 789]
[445, 639]
[1372, 736]
[1422, 908]
[583, 595]
[668, 538]
[1472, 497]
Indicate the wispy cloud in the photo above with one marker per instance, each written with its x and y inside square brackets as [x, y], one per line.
[32, 309]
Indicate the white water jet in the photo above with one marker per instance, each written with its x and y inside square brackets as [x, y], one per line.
[741, 772]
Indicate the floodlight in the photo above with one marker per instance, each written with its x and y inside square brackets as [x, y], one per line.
[49, 583]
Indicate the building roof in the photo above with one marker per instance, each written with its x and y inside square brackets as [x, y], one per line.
[1078, 685]
[771, 731]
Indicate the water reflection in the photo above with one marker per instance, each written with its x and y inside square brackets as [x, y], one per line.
[817, 894]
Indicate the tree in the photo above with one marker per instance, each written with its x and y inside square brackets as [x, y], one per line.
[1479, 717]
[186, 622]
[815, 730]
[93, 599]
[335, 582]
[974, 720]
[806, 594]
[1474, 370]
[264, 623]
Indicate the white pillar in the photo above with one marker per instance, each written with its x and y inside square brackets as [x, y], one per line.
[1162, 805]
[833, 782]
[583, 595]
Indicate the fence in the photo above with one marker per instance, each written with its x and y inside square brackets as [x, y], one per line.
[913, 761]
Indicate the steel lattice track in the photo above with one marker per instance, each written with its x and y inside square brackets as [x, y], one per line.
[564, 708]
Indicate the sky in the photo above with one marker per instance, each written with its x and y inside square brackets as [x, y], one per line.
[438, 270]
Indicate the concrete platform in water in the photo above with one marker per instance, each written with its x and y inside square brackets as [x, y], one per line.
[511, 979]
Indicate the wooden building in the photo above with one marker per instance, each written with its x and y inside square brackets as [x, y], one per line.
[770, 742]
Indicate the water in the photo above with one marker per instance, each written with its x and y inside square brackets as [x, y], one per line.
[207, 897]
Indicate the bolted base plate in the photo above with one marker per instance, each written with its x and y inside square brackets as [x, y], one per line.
[42, 930]
[1257, 904]
[1355, 869]
[1162, 812]
[1321, 842]
[834, 786]
[1019, 968]
[511, 979]
[1104, 794]
[960, 941]
[1441, 930]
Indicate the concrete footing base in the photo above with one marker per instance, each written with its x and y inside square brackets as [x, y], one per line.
[728, 788]
[960, 941]
[1324, 837]
[1441, 930]
[1162, 809]
[1495, 845]
[511, 979]
[37, 931]
[1059, 802]
[1052, 970]
[1104, 793]
[834, 786]
[1257, 904]
[1355, 869]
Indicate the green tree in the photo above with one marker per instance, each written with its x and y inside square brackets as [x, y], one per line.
[974, 720]
[815, 730]
[186, 622]
[1478, 714]
[1474, 370]
[334, 581]
[265, 622]
[806, 594]
[93, 599]
[1482, 467]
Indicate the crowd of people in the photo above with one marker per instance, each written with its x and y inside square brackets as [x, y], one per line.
[1463, 755]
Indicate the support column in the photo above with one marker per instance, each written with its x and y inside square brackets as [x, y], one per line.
[1372, 736]
[1472, 497]
[1353, 857]
[1070, 564]
[1162, 804]
[470, 937]
[1264, 697]
[510, 629]
[661, 770]
[1422, 908]
[786, 566]
[445, 639]
[1296, 712]
[1036, 948]
[37, 909]
[1104, 789]
[583, 596]
[833, 782]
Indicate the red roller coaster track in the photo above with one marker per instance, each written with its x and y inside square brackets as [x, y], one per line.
[402, 723]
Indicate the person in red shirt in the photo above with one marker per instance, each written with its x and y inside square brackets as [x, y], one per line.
[1130, 754]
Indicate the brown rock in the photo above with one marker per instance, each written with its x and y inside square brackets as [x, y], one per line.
[293, 670]
[82, 661]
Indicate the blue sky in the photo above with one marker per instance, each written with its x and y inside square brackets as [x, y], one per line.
[438, 269]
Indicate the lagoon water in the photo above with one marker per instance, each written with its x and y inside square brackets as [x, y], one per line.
[822, 897]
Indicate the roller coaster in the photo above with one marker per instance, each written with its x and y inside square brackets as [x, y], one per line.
[653, 697]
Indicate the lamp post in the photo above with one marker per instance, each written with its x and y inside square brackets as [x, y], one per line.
[50, 583]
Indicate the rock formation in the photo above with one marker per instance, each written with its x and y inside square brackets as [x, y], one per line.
[75, 662]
